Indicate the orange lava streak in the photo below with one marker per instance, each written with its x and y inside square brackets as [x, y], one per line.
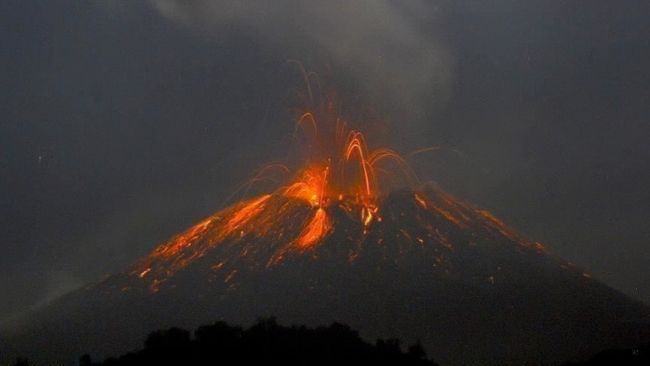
[381, 154]
[316, 230]
[307, 116]
[246, 213]
[357, 143]
[421, 201]
[182, 241]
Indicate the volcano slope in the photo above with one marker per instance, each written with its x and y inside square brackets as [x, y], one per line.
[427, 267]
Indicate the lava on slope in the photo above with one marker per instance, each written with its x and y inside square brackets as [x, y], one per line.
[262, 232]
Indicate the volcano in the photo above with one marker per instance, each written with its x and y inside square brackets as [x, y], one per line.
[341, 242]
[433, 269]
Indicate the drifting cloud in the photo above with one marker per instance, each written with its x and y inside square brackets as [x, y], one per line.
[390, 48]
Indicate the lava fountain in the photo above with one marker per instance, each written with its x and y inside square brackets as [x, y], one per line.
[338, 174]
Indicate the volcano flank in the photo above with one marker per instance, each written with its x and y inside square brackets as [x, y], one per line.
[433, 269]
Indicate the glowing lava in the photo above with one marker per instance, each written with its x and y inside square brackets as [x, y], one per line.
[339, 178]
[315, 230]
[340, 166]
[245, 214]
[310, 186]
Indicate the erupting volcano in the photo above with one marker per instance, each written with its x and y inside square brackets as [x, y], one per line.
[340, 176]
[350, 235]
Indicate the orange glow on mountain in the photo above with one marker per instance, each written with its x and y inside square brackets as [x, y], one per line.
[340, 177]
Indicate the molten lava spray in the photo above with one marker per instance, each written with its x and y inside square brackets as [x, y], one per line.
[339, 173]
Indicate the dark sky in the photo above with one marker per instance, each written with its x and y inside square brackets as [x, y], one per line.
[122, 122]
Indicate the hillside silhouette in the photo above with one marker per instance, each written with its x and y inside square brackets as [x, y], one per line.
[637, 356]
[265, 342]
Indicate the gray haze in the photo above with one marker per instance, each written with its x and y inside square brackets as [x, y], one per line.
[122, 123]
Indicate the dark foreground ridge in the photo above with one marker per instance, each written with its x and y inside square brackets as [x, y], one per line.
[266, 342]
[637, 356]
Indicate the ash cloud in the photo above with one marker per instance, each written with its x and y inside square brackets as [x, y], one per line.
[390, 49]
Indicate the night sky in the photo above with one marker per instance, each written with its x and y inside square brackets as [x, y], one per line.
[123, 122]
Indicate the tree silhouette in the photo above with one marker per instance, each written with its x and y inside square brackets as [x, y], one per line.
[21, 362]
[265, 342]
[85, 360]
